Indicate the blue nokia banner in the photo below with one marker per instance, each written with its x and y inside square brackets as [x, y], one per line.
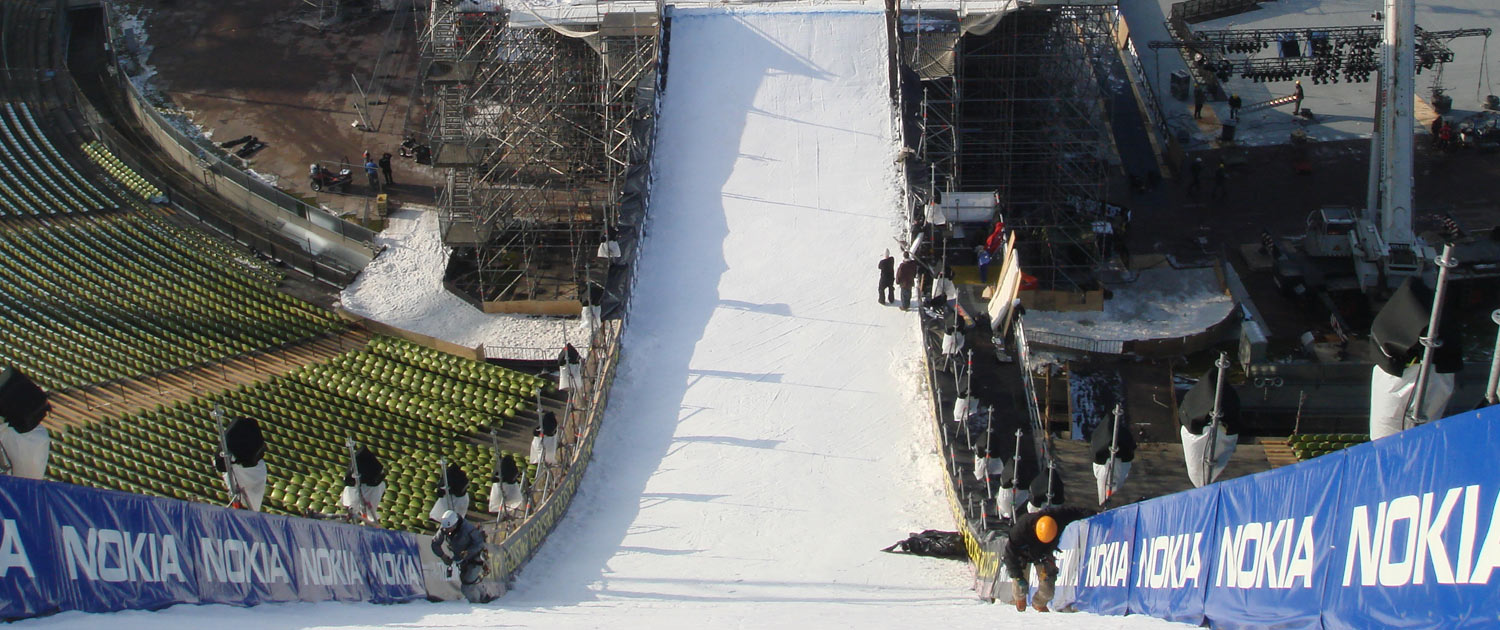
[67, 547]
[1400, 533]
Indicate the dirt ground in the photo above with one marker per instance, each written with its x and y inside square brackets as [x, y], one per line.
[257, 67]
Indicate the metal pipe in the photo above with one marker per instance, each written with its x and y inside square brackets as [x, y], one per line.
[1213, 424]
[1114, 447]
[1431, 340]
[1492, 391]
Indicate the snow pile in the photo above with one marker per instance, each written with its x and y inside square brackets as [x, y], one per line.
[403, 287]
[1160, 304]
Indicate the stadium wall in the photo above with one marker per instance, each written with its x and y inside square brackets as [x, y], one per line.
[1403, 532]
[66, 547]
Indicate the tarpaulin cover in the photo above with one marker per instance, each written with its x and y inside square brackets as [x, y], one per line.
[66, 547]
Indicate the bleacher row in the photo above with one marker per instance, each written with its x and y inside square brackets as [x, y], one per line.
[306, 416]
[117, 169]
[35, 179]
[1308, 446]
[98, 298]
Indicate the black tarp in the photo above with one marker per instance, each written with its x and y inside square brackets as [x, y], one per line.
[371, 471]
[1040, 488]
[245, 442]
[509, 471]
[1198, 404]
[1398, 328]
[22, 402]
[458, 482]
[547, 425]
[1104, 436]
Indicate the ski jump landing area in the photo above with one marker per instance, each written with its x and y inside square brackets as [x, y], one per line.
[768, 432]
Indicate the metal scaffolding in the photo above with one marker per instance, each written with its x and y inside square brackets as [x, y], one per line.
[1021, 114]
[530, 119]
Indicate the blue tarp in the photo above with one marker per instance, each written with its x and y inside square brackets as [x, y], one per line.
[1400, 533]
[66, 547]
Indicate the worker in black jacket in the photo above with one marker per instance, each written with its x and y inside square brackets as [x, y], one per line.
[887, 288]
[1033, 539]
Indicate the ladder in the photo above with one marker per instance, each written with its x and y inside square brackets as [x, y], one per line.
[1275, 102]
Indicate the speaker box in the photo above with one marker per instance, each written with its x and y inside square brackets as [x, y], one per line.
[22, 402]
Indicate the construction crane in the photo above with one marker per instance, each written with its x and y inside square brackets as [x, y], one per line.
[1383, 244]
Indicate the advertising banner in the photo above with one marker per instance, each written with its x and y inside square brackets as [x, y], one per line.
[1417, 540]
[1175, 539]
[1070, 546]
[126, 549]
[66, 547]
[1274, 534]
[28, 585]
[1105, 571]
[1403, 532]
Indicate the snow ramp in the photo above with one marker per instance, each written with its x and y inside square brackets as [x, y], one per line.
[768, 431]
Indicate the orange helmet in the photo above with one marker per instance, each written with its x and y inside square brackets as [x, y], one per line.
[1046, 529]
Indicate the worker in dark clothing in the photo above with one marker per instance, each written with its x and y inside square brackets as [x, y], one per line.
[1033, 539]
[1221, 182]
[1195, 172]
[1234, 107]
[887, 289]
[1199, 97]
[465, 547]
[1297, 99]
[385, 168]
[906, 275]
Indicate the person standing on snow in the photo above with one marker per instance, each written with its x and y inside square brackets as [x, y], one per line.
[465, 547]
[887, 289]
[906, 275]
[1033, 540]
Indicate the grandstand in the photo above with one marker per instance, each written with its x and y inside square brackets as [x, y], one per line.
[140, 325]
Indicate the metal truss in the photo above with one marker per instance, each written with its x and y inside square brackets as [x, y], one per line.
[532, 124]
[1022, 115]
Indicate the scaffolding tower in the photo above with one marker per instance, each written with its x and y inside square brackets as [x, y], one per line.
[1018, 110]
[530, 120]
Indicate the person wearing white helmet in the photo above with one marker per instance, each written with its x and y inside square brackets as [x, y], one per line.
[465, 550]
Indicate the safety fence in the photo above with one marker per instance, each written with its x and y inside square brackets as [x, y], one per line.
[66, 547]
[1403, 532]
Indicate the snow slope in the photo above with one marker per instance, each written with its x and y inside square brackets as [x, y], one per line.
[768, 431]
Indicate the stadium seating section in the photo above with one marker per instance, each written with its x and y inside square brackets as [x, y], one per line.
[102, 286]
[106, 160]
[1313, 445]
[104, 297]
[411, 405]
[35, 179]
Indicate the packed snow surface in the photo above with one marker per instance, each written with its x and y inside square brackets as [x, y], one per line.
[1161, 303]
[403, 287]
[768, 431]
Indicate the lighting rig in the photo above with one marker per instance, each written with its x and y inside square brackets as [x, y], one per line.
[1326, 55]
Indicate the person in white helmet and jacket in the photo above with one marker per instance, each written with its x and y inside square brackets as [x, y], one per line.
[464, 543]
